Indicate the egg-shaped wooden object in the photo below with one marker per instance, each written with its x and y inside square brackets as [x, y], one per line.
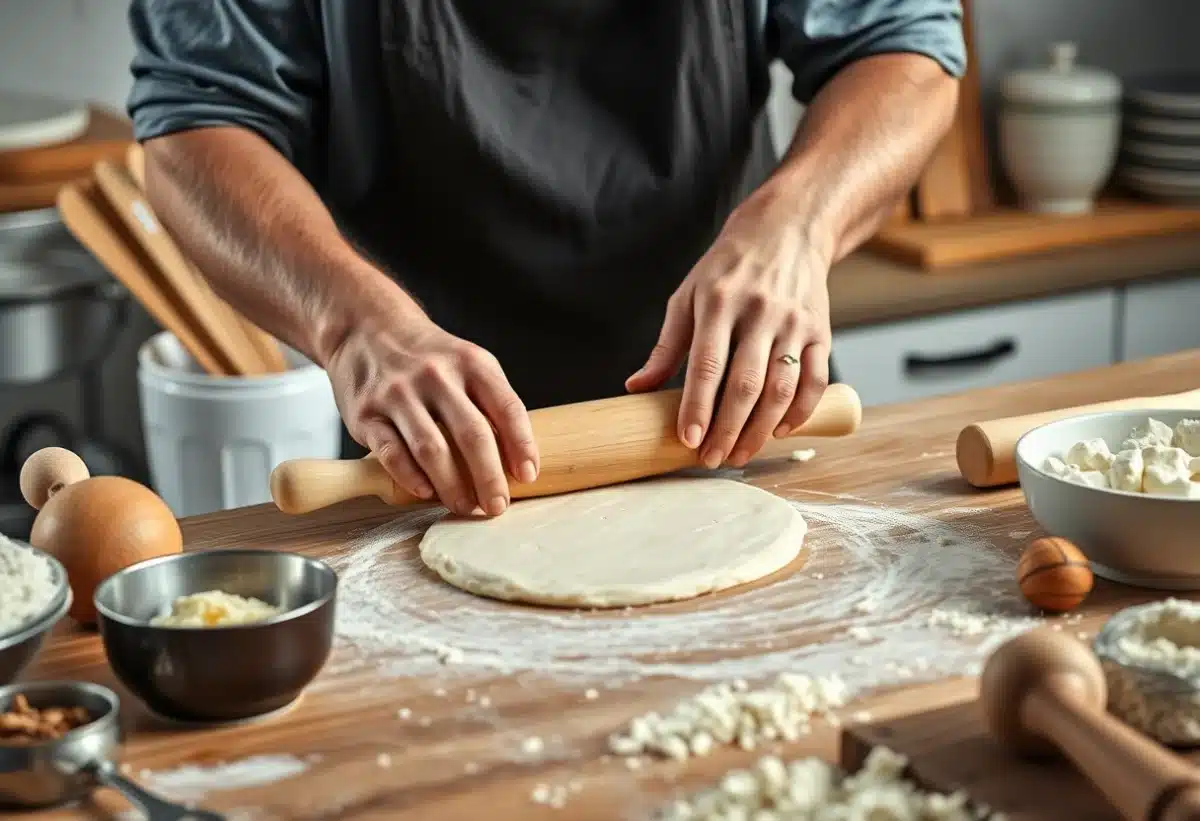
[95, 526]
[1054, 575]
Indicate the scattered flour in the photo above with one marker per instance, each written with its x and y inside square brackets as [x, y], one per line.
[883, 572]
[191, 783]
[803, 455]
[28, 584]
[809, 789]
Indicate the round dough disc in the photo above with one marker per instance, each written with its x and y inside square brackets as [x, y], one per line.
[656, 541]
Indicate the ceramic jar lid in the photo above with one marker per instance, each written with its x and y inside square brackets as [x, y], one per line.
[1062, 83]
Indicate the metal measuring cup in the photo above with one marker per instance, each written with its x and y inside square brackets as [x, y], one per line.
[66, 769]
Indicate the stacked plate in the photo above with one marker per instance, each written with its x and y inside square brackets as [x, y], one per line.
[1160, 156]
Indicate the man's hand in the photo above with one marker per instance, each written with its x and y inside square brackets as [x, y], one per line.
[755, 306]
[436, 410]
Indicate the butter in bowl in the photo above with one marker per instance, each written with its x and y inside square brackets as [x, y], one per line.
[1124, 486]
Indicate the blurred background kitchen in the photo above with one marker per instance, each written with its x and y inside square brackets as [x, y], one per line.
[1001, 268]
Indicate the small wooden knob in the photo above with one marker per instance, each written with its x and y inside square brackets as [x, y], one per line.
[1054, 575]
[47, 472]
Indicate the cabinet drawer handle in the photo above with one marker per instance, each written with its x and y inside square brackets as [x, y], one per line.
[915, 364]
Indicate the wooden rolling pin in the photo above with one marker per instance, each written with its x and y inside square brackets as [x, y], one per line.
[583, 445]
[1044, 691]
[986, 451]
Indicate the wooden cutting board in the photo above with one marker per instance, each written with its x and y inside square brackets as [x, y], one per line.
[950, 749]
[1010, 233]
[30, 178]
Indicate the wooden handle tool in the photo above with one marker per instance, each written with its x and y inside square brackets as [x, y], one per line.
[217, 318]
[583, 445]
[264, 344]
[87, 216]
[1045, 691]
[986, 451]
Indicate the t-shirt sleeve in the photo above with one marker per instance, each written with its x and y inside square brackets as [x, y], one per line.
[817, 38]
[258, 64]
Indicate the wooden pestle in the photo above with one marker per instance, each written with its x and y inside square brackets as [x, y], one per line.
[583, 445]
[986, 451]
[1044, 691]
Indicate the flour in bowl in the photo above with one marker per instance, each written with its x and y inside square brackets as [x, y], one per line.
[27, 585]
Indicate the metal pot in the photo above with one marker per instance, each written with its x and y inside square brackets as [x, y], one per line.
[60, 311]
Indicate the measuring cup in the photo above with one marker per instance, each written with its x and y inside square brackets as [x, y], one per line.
[66, 769]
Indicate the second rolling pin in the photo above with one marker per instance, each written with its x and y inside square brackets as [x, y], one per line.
[584, 445]
[986, 451]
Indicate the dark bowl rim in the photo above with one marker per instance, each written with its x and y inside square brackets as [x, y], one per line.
[108, 614]
[102, 723]
[53, 611]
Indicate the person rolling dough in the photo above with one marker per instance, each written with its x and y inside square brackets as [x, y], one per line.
[464, 209]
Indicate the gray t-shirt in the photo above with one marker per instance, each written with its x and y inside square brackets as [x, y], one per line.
[305, 74]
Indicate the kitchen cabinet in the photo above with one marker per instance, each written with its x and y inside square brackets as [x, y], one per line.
[1160, 317]
[965, 350]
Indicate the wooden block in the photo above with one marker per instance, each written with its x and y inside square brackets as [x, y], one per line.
[107, 137]
[949, 749]
[970, 117]
[1009, 233]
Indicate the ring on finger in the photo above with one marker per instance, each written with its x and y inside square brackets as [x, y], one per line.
[788, 359]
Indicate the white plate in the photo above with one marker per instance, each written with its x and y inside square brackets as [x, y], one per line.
[1168, 156]
[1161, 184]
[1173, 95]
[1182, 131]
[32, 121]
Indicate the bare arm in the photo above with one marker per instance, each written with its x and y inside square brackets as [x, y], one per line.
[263, 238]
[860, 147]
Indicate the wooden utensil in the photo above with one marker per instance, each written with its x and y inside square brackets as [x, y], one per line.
[1044, 691]
[217, 319]
[264, 344]
[88, 217]
[986, 451]
[583, 445]
[970, 123]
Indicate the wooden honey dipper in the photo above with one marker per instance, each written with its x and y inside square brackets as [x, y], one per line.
[1044, 691]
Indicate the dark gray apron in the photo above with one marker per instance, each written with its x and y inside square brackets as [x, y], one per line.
[558, 167]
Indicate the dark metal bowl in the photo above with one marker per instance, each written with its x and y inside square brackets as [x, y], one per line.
[18, 649]
[219, 674]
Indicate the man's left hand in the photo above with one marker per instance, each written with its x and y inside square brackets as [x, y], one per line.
[754, 311]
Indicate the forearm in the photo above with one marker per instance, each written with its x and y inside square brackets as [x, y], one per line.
[860, 147]
[262, 237]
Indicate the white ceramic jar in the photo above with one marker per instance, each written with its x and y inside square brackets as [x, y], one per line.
[1060, 129]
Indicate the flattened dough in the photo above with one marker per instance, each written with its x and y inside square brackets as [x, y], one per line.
[656, 541]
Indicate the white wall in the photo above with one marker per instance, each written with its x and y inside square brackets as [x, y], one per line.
[78, 49]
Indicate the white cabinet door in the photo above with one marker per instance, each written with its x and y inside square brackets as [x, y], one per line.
[902, 361]
[1161, 318]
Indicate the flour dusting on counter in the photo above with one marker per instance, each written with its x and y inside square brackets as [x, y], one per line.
[886, 597]
[192, 782]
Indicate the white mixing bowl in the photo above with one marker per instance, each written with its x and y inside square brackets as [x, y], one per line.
[1131, 538]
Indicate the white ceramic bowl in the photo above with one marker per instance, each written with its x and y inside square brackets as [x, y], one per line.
[1131, 538]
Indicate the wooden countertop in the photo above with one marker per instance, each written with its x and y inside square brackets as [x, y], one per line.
[866, 289]
[464, 763]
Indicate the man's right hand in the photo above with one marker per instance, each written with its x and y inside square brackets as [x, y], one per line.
[436, 410]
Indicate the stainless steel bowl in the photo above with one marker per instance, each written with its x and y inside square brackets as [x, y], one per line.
[18, 649]
[1130, 538]
[219, 674]
[49, 773]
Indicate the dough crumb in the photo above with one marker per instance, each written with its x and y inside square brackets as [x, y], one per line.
[404, 713]
[470, 768]
[726, 715]
[803, 455]
[383, 760]
[591, 694]
[774, 790]
[533, 745]
[484, 701]
[425, 721]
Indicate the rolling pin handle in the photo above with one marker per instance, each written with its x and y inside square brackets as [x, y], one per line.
[839, 413]
[304, 485]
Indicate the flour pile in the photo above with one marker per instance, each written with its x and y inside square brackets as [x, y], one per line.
[27, 585]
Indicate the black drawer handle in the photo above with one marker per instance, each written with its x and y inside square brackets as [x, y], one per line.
[915, 364]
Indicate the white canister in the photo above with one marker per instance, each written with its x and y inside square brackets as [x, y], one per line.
[1060, 130]
[212, 441]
